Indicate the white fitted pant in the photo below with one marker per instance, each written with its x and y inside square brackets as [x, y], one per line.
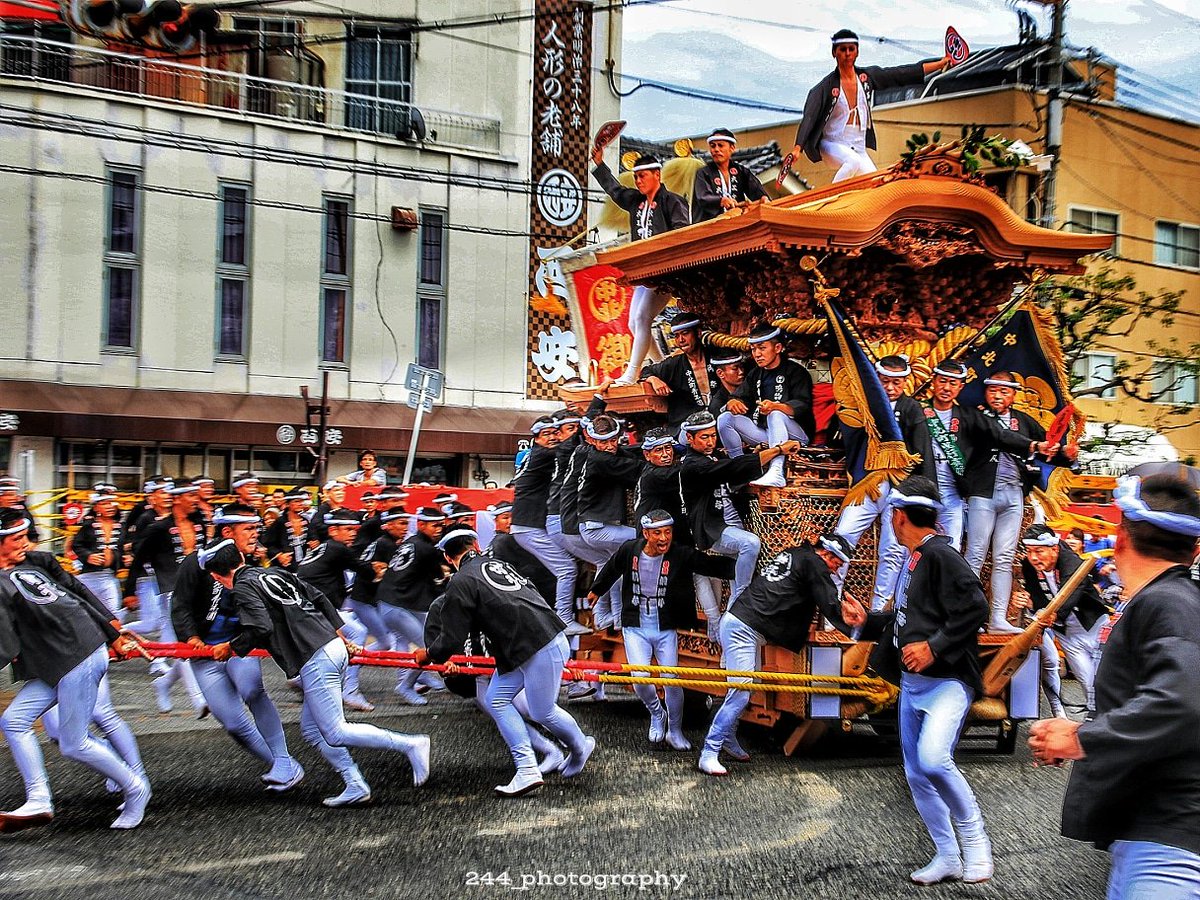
[855, 520]
[644, 646]
[849, 162]
[734, 430]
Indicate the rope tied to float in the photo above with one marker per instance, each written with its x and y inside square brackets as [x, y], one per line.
[876, 691]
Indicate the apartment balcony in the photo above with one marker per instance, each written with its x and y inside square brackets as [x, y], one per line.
[56, 65]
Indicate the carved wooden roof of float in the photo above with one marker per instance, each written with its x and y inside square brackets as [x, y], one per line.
[880, 210]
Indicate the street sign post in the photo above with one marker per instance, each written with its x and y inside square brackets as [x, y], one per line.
[425, 386]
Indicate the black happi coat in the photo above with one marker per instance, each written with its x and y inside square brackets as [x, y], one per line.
[531, 487]
[705, 481]
[659, 488]
[946, 606]
[783, 598]
[1140, 777]
[685, 397]
[980, 476]
[489, 597]
[603, 479]
[788, 383]
[978, 437]
[89, 539]
[325, 569]
[505, 548]
[821, 97]
[668, 211]
[680, 563]
[282, 615]
[412, 574]
[1085, 602]
[708, 188]
[49, 622]
[197, 600]
[160, 550]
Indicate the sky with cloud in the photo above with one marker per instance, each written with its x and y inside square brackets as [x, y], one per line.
[771, 51]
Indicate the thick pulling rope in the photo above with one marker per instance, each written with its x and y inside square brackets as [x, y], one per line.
[875, 690]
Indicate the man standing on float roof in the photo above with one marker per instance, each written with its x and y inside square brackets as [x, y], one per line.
[653, 210]
[722, 184]
[837, 126]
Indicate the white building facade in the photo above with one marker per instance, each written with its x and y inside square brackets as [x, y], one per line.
[188, 241]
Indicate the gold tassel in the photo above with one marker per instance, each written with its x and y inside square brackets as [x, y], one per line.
[891, 455]
[868, 487]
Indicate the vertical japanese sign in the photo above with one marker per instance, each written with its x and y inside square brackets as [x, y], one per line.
[559, 171]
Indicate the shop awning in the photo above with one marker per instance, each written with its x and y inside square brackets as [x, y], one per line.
[199, 417]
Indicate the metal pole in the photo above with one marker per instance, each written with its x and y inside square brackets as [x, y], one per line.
[412, 445]
[1054, 119]
[322, 454]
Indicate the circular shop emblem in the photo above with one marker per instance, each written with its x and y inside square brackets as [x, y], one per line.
[560, 198]
[285, 434]
[500, 576]
[35, 587]
[279, 590]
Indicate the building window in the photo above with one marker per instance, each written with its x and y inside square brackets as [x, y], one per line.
[276, 52]
[1173, 383]
[1097, 221]
[431, 289]
[122, 261]
[1177, 245]
[1094, 369]
[379, 76]
[233, 270]
[335, 280]
[22, 54]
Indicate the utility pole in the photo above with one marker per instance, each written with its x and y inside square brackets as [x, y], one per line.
[322, 414]
[1054, 118]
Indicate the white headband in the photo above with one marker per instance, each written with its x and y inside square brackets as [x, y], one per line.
[648, 522]
[242, 482]
[647, 167]
[392, 515]
[95, 497]
[721, 136]
[727, 360]
[1000, 382]
[330, 485]
[899, 499]
[891, 373]
[772, 335]
[539, 427]
[205, 555]
[330, 520]
[700, 426]
[238, 519]
[456, 533]
[685, 325]
[151, 486]
[500, 509]
[656, 442]
[1128, 498]
[835, 548]
[183, 489]
[958, 376]
[1047, 539]
[199, 481]
[590, 428]
[440, 517]
[20, 526]
[568, 420]
[844, 40]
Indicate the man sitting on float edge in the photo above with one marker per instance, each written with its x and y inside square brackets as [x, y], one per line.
[687, 378]
[773, 406]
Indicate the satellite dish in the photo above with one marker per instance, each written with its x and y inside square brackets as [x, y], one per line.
[414, 127]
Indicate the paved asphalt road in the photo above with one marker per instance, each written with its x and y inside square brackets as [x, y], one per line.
[837, 823]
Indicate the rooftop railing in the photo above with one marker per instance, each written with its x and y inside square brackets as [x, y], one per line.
[166, 80]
